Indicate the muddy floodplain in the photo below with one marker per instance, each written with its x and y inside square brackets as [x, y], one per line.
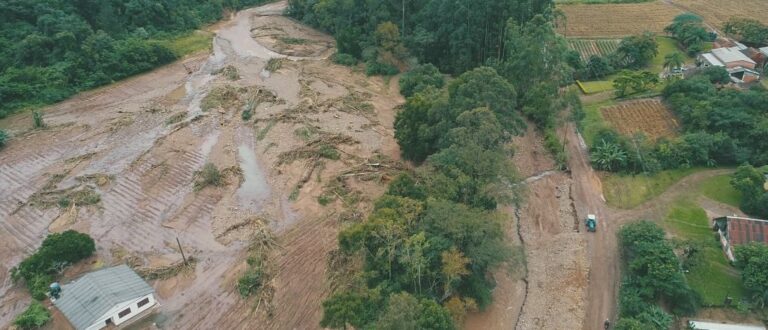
[129, 159]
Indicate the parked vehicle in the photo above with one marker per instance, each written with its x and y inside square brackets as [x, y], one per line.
[591, 223]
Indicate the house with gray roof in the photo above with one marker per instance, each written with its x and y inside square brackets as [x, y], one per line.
[110, 296]
[735, 60]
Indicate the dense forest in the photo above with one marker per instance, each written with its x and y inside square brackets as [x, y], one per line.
[51, 49]
[453, 35]
[426, 251]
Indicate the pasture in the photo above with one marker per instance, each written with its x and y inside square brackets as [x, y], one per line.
[616, 20]
[648, 116]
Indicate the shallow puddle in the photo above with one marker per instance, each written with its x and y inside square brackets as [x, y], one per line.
[254, 189]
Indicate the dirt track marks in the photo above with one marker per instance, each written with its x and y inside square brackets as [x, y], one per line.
[135, 212]
[302, 265]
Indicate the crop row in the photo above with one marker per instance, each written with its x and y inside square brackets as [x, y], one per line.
[587, 48]
[649, 117]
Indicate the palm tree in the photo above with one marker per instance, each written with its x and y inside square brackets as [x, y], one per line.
[673, 61]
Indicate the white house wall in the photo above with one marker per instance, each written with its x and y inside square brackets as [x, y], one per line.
[112, 313]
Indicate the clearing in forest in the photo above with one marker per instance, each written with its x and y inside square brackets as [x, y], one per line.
[589, 47]
[716, 12]
[648, 116]
[616, 20]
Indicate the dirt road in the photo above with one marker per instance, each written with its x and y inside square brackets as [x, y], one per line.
[604, 272]
[139, 144]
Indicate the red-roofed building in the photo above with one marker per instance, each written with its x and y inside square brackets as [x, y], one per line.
[737, 231]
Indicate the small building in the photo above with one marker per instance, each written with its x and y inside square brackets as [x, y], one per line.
[708, 325]
[107, 297]
[735, 231]
[708, 60]
[733, 57]
[756, 55]
[735, 60]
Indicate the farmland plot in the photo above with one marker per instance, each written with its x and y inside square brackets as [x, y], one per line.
[648, 116]
[599, 47]
[716, 12]
[616, 20]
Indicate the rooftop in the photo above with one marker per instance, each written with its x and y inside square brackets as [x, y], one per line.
[88, 298]
[764, 50]
[704, 325]
[732, 54]
[746, 230]
[712, 59]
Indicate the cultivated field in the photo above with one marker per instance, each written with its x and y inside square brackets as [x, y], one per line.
[616, 20]
[649, 117]
[716, 12]
[587, 47]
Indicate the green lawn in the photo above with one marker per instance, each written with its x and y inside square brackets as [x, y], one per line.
[627, 191]
[666, 46]
[592, 87]
[713, 278]
[719, 188]
[593, 120]
[189, 43]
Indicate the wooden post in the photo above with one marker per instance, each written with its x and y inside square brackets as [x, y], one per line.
[181, 250]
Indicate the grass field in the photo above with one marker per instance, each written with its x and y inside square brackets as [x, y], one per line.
[189, 43]
[597, 86]
[713, 278]
[616, 20]
[627, 191]
[593, 120]
[716, 12]
[719, 188]
[666, 46]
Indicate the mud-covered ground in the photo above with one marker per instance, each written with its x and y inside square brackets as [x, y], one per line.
[140, 143]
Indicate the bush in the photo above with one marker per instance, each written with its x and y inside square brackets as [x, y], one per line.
[274, 64]
[209, 176]
[57, 251]
[246, 115]
[419, 79]
[34, 317]
[37, 120]
[250, 282]
[329, 152]
[373, 68]
[344, 59]
[750, 181]
[4, 137]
